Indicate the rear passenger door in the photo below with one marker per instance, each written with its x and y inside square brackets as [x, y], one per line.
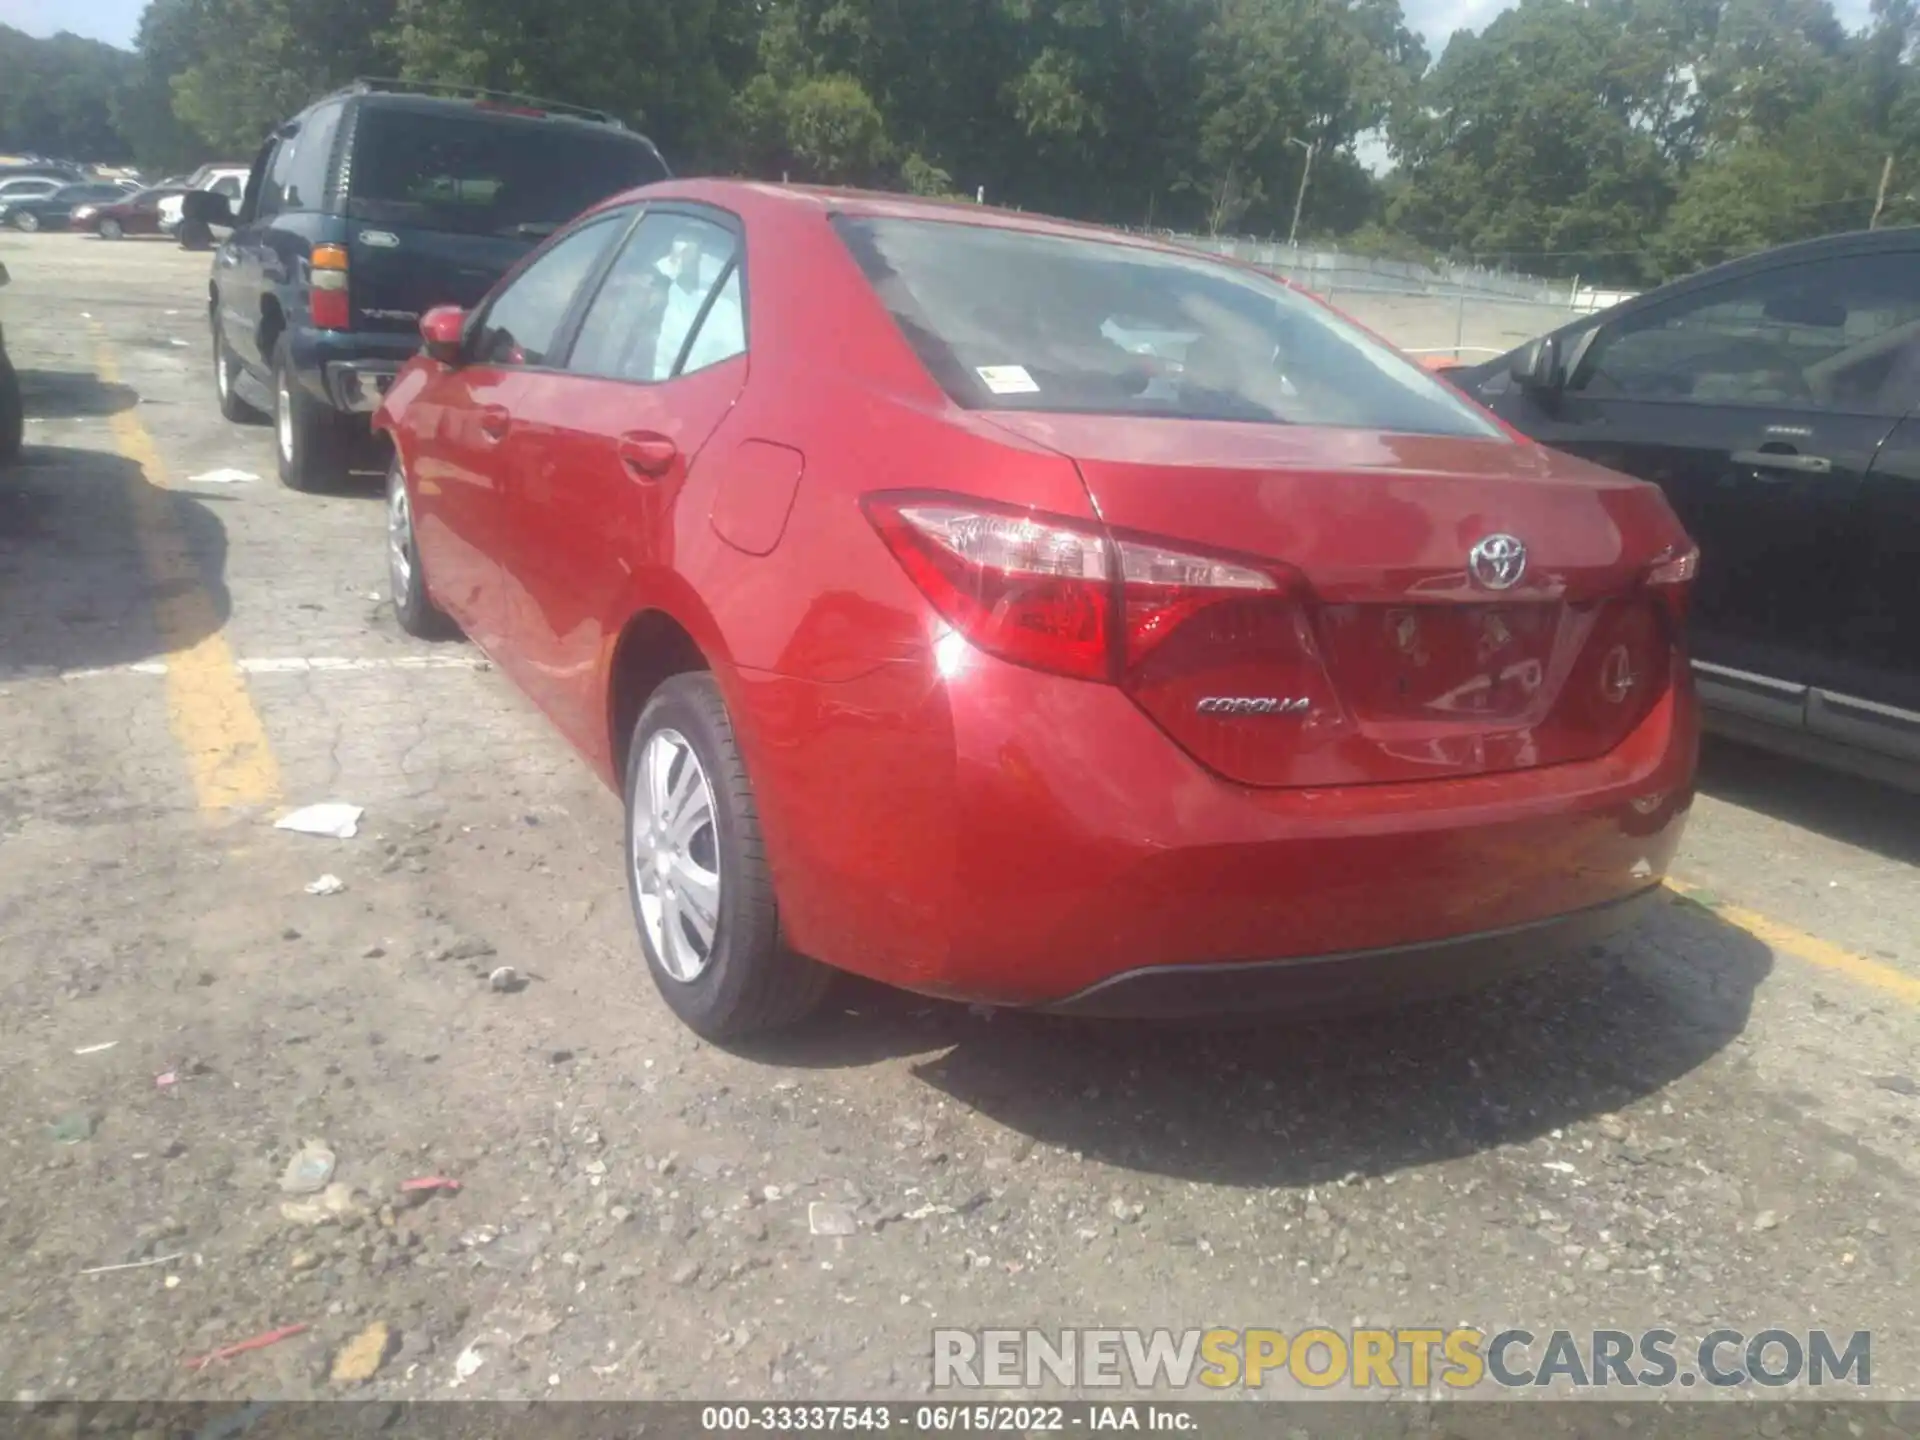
[604, 485]
[240, 260]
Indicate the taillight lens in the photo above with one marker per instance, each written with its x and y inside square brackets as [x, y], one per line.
[1049, 592]
[1671, 579]
[328, 303]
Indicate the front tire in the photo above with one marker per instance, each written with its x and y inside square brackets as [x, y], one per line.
[697, 872]
[406, 580]
[112, 230]
[195, 235]
[309, 442]
[26, 220]
[226, 369]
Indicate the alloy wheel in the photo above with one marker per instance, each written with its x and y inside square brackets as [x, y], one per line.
[399, 542]
[676, 855]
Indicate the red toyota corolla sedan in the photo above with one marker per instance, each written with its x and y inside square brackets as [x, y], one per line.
[1016, 611]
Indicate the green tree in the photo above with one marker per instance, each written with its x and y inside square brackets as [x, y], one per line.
[57, 94]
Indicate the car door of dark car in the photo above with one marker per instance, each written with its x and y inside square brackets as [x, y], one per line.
[1757, 405]
[1881, 706]
[607, 451]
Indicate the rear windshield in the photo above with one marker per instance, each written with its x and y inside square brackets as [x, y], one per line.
[487, 174]
[1011, 320]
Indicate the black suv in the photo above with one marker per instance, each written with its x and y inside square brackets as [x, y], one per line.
[365, 211]
[1776, 400]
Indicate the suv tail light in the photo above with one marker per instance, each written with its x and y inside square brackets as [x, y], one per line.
[1052, 593]
[328, 301]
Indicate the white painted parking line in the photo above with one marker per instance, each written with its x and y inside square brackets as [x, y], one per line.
[291, 665]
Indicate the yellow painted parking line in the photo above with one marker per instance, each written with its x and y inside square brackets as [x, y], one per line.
[208, 707]
[1804, 947]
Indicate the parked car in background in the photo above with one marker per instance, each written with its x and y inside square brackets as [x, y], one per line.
[365, 211]
[29, 187]
[12, 410]
[1774, 400]
[137, 214]
[938, 626]
[55, 211]
[229, 181]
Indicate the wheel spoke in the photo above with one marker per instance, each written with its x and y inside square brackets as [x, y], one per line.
[698, 894]
[694, 816]
[660, 757]
[685, 785]
[680, 962]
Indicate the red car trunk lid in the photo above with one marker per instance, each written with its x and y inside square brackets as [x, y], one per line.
[1383, 655]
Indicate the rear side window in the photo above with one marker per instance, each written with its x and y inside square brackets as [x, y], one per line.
[487, 174]
[521, 324]
[670, 304]
[303, 176]
[1011, 320]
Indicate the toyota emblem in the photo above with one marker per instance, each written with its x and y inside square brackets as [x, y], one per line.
[1498, 562]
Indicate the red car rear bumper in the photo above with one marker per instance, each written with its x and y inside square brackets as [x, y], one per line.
[1013, 837]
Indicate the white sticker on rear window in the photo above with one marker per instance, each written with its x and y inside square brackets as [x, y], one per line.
[1007, 379]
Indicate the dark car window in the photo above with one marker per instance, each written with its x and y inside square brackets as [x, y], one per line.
[1009, 319]
[279, 169]
[642, 323]
[484, 174]
[1839, 334]
[519, 327]
[301, 169]
[83, 194]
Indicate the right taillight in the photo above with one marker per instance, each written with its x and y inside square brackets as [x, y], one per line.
[1054, 593]
[1671, 579]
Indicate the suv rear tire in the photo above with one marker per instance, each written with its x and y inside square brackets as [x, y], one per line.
[309, 442]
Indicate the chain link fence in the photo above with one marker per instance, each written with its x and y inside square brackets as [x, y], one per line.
[1438, 309]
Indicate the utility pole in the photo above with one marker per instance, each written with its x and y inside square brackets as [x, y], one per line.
[1880, 200]
[1306, 172]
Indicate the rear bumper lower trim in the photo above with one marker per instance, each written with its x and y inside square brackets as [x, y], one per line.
[1357, 979]
[359, 386]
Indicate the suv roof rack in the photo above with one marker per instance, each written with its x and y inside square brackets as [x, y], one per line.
[383, 85]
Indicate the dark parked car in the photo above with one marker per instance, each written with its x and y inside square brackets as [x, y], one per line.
[1774, 400]
[55, 211]
[365, 211]
[137, 214]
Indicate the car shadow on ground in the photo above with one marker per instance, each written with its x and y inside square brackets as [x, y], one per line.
[99, 568]
[69, 394]
[1853, 811]
[1302, 1102]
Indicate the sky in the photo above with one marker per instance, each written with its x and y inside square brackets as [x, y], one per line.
[115, 21]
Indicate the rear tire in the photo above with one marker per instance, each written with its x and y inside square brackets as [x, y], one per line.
[689, 800]
[406, 579]
[309, 442]
[112, 230]
[13, 414]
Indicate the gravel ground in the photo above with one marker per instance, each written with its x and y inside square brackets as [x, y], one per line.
[1711, 1122]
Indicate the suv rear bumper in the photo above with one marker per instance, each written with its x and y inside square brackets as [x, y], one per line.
[350, 370]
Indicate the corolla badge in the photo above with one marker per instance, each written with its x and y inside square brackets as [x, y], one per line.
[1498, 562]
[1254, 705]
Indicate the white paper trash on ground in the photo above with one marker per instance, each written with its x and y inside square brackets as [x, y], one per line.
[223, 477]
[332, 818]
[327, 885]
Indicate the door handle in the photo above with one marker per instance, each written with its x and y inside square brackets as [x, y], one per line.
[648, 455]
[494, 422]
[1784, 460]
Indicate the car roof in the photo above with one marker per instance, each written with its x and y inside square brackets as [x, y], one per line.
[501, 110]
[766, 200]
[1800, 252]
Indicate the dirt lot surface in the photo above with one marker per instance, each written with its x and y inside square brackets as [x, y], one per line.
[1714, 1122]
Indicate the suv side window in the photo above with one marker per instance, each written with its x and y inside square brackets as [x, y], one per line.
[273, 191]
[523, 321]
[305, 173]
[670, 305]
[1841, 334]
